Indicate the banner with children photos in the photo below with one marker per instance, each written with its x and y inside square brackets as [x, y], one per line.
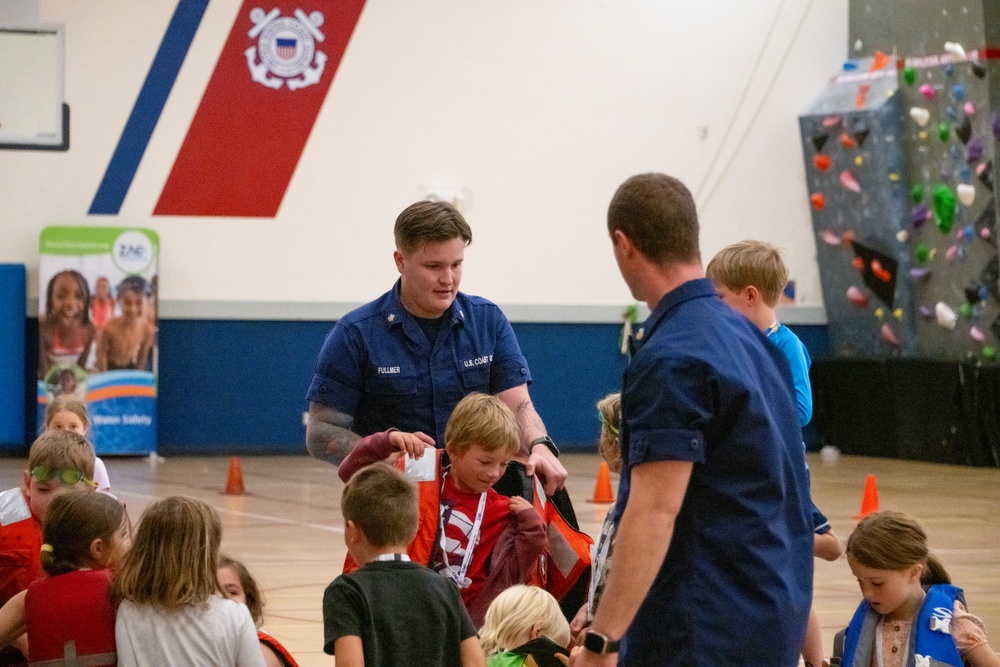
[97, 324]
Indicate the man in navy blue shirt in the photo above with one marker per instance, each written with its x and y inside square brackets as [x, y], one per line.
[713, 556]
[396, 367]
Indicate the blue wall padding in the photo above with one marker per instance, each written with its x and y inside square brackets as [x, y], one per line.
[12, 352]
[238, 387]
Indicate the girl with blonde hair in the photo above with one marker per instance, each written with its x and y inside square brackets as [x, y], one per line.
[171, 611]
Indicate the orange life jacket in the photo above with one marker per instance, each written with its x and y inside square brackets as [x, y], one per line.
[564, 561]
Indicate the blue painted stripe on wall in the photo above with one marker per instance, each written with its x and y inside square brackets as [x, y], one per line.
[238, 387]
[148, 107]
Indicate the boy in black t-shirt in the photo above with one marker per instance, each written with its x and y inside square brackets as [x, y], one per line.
[392, 611]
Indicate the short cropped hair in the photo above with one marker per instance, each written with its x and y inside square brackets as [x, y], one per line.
[429, 222]
[62, 449]
[382, 504]
[747, 263]
[485, 421]
[657, 213]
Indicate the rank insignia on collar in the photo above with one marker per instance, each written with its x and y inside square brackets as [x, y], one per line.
[640, 334]
[390, 318]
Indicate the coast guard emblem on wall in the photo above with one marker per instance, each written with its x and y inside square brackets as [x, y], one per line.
[285, 52]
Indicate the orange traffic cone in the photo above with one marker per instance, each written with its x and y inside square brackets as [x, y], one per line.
[869, 503]
[234, 484]
[602, 490]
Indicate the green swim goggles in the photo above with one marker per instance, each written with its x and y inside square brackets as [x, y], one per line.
[67, 476]
[600, 418]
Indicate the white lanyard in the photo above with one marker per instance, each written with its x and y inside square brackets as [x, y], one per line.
[459, 577]
[393, 557]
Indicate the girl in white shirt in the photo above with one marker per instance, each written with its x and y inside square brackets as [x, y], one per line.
[171, 611]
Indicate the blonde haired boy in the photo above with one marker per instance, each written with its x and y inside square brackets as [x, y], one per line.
[488, 542]
[749, 277]
[57, 461]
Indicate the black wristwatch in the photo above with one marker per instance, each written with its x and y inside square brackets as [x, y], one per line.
[597, 643]
[547, 441]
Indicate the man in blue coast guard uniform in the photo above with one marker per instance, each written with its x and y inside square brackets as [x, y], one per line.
[713, 557]
[396, 367]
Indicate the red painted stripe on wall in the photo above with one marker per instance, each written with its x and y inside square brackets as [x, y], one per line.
[259, 107]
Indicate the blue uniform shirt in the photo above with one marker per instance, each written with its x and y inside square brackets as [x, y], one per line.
[378, 365]
[705, 386]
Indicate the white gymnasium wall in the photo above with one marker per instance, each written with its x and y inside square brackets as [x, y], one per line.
[537, 109]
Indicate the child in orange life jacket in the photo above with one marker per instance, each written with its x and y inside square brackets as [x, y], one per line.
[486, 542]
[238, 584]
[69, 613]
[911, 613]
[57, 461]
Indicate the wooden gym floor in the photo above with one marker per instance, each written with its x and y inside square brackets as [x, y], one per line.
[287, 527]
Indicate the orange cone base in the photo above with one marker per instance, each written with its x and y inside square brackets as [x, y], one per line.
[234, 483]
[869, 503]
[602, 490]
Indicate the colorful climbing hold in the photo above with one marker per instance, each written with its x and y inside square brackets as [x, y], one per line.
[859, 99]
[818, 201]
[879, 312]
[821, 161]
[950, 253]
[920, 115]
[830, 238]
[894, 177]
[917, 193]
[989, 353]
[966, 193]
[898, 313]
[943, 200]
[858, 263]
[849, 182]
[919, 274]
[970, 110]
[889, 336]
[927, 90]
[964, 130]
[832, 121]
[965, 310]
[943, 131]
[857, 297]
[977, 335]
[902, 235]
[818, 141]
[955, 49]
[847, 141]
[926, 312]
[858, 160]
[848, 238]
[974, 149]
[922, 252]
[946, 317]
[919, 215]
[879, 61]
[880, 272]
[958, 92]
[985, 233]
[909, 75]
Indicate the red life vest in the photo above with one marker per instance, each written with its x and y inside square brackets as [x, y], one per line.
[560, 566]
[71, 620]
[283, 655]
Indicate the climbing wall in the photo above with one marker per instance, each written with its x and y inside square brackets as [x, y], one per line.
[906, 237]
[855, 169]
